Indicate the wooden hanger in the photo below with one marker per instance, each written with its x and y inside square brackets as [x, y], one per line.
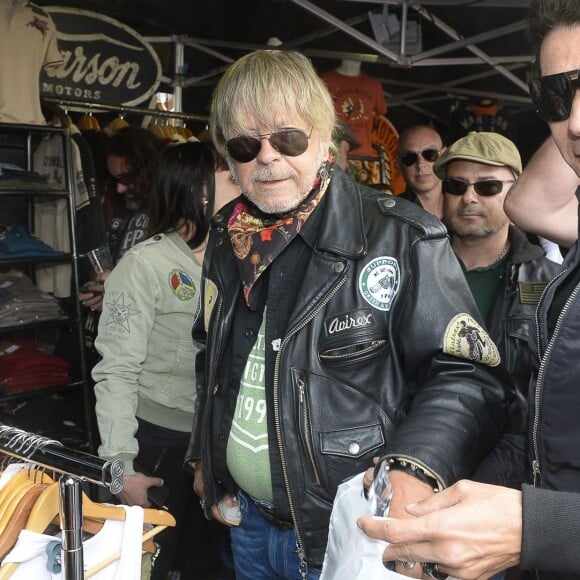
[19, 496]
[15, 489]
[11, 487]
[101, 565]
[116, 124]
[17, 520]
[88, 122]
[13, 496]
[47, 508]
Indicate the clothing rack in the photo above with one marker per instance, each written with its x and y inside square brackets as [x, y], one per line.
[52, 454]
[122, 109]
[74, 467]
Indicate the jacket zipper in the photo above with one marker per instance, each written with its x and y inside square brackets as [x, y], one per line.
[303, 566]
[536, 465]
[306, 429]
[373, 346]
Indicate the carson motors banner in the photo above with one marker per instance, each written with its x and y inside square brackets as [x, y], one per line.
[104, 60]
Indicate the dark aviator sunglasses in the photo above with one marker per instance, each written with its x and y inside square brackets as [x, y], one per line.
[291, 142]
[552, 95]
[410, 157]
[486, 188]
[126, 179]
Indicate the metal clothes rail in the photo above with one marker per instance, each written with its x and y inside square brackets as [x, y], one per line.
[122, 109]
[75, 466]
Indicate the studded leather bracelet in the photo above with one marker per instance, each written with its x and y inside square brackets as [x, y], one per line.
[416, 470]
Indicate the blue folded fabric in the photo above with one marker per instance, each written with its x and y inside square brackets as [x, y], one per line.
[19, 242]
[10, 172]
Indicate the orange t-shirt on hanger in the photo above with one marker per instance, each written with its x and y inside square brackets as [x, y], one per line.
[357, 100]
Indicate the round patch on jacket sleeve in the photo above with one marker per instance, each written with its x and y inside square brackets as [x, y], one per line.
[379, 282]
[465, 338]
[182, 285]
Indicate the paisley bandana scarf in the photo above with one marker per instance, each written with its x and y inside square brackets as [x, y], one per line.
[257, 238]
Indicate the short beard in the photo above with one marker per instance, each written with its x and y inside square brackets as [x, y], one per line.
[483, 232]
[133, 204]
[267, 173]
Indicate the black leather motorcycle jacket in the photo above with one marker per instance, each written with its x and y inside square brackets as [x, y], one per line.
[384, 354]
[511, 318]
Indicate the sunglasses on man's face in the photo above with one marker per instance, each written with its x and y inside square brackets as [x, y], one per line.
[291, 142]
[410, 157]
[552, 95]
[486, 188]
[126, 179]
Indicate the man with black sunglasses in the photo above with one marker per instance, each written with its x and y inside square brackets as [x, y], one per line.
[418, 148]
[131, 157]
[335, 327]
[474, 530]
[505, 272]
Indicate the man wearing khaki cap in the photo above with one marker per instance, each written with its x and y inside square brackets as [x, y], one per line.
[506, 273]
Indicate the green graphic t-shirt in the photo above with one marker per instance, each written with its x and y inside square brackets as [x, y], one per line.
[247, 453]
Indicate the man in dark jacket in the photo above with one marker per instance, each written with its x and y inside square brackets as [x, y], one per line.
[506, 273]
[474, 530]
[331, 331]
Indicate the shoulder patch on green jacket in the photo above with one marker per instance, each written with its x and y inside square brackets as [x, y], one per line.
[412, 214]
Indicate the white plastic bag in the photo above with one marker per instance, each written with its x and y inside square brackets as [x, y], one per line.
[350, 553]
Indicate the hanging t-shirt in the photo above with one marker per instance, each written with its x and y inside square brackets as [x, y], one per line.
[51, 216]
[357, 100]
[39, 555]
[28, 44]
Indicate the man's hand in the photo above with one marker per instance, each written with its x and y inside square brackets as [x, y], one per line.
[472, 530]
[199, 490]
[407, 489]
[91, 293]
[135, 489]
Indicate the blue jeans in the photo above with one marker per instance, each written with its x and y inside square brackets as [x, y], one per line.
[262, 551]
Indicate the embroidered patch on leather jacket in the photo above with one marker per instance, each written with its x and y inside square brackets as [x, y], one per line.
[530, 292]
[209, 299]
[379, 282]
[355, 319]
[465, 338]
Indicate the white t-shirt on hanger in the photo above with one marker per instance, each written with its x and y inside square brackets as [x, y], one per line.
[115, 536]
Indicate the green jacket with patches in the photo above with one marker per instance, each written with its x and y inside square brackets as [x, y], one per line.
[147, 366]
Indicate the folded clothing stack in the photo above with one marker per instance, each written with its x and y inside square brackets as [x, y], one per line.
[15, 177]
[21, 302]
[18, 242]
[25, 365]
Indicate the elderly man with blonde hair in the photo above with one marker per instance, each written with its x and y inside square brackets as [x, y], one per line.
[329, 333]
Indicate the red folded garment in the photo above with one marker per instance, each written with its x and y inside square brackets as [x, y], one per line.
[13, 385]
[24, 365]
